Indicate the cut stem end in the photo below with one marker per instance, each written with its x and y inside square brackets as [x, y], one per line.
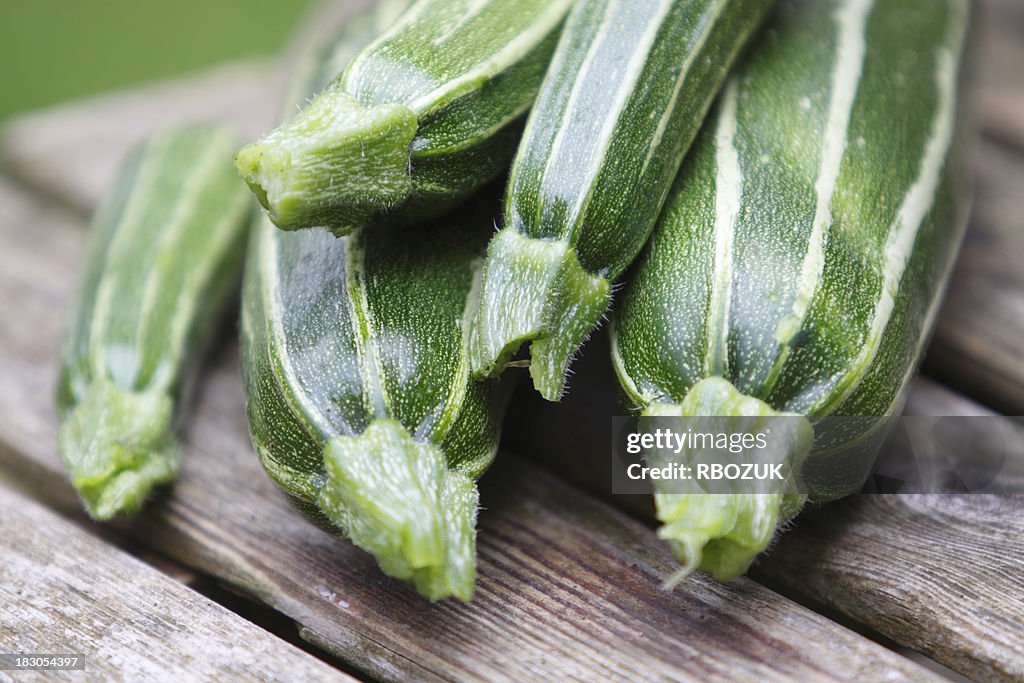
[722, 533]
[118, 446]
[397, 499]
[334, 165]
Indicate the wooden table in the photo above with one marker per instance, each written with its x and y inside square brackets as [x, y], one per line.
[220, 579]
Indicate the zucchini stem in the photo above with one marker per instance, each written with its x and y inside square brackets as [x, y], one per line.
[333, 164]
[536, 291]
[722, 533]
[118, 445]
[397, 499]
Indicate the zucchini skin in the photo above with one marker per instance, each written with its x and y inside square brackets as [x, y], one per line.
[164, 259]
[626, 92]
[421, 118]
[802, 254]
[360, 401]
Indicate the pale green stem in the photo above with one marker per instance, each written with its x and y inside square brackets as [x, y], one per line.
[722, 533]
[535, 291]
[334, 164]
[118, 445]
[397, 499]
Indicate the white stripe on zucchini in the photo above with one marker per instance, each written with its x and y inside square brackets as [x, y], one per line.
[727, 208]
[593, 161]
[916, 204]
[222, 236]
[119, 248]
[625, 94]
[419, 120]
[841, 141]
[851, 18]
[375, 397]
[266, 253]
[177, 225]
[462, 378]
[698, 49]
[463, 17]
[165, 257]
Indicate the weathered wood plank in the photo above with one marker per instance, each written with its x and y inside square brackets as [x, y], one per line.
[72, 152]
[978, 345]
[941, 574]
[568, 587]
[938, 574]
[64, 591]
[987, 448]
[1000, 83]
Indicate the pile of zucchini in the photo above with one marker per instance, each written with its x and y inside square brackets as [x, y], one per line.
[765, 198]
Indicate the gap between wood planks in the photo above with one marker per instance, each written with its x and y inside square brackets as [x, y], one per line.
[270, 620]
[135, 624]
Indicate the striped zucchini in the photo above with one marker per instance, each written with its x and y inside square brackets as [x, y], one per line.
[627, 89]
[165, 256]
[800, 259]
[420, 119]
[361, 406]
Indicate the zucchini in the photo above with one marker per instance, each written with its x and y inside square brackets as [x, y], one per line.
[624, 97]
[420, 119]
[360, 402]
[165, 256]
[801, 257]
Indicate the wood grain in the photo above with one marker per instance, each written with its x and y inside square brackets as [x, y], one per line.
[939, 574]
[65, 591]
[978, 345]
[1000, 79]
[568, 589]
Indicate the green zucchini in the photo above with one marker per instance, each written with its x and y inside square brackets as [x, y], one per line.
[800, 259]
[360, 401]
[165, 256]
[626, 92]
[420, 119]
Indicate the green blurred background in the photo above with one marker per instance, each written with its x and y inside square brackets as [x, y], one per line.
[56, 50]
